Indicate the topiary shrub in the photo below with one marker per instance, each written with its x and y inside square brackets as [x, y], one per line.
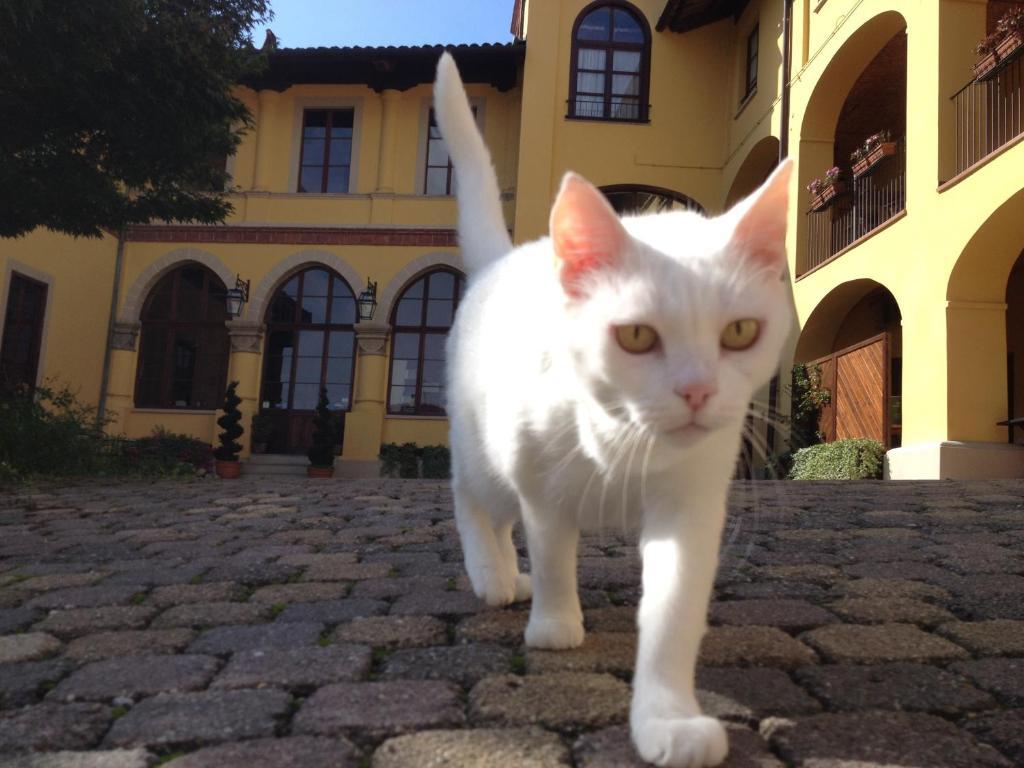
[436, 462]
[229, 447]
[851, 459]
[321, 452]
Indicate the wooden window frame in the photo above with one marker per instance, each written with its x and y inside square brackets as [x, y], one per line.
[174, 325]
[751, 63]
[421, 330]
[609, 47]
[449, 183]
[325, 163]
[38, 323]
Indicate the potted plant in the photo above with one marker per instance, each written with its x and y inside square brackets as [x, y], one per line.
[226, 454]
[875, 148]
[1002, 44]
[321, 452]
[824, 190]
[262, 430]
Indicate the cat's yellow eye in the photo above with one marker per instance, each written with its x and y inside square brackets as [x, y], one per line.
[636, 339]
[740, 334]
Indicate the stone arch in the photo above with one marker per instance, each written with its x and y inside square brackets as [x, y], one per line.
[755, 169]
[260, 296]
[135, 296]
[416, 267]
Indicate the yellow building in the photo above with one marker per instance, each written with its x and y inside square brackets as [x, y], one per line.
[908, 283]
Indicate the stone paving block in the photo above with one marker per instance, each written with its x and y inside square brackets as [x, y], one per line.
[880, 643]
[380, 708]
[295, 667]
[562, 700]
[891, 588]
[757, 693]
[133, 642]
[899, 571]
[181, 594]
[113, 758]
[439, 603]
[506, 626]
[174, 720]
[30, 646]
[382, 589]
[63, 580]
[464, 664]
[299, 593]
[337, 571]
[614, 618]
[222, 640]
[333, 611]
[601, 652]
[288, 752]
[987, 638]
[892, 610]
[198, 615]
[981, 607]
[393, 631]
[774, 590]
[23, 683]
[53, 726]
[1003, 730]
[476, 748]
[252, 574]
[1002, 677]
[16, 619]
[793, 615]
[900, 686]
[81, 621]
[136, 676]
[85, 597]
[879, 738]
[612, 748]
[753, 646]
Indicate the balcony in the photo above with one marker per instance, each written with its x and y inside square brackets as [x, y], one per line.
[874, 198]
[988, 112]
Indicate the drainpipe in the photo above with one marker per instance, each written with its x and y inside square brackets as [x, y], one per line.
[787, 70]
[101, 410]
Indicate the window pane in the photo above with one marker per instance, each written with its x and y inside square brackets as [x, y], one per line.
[437, 152]
[434, 345]
[625, 85]
[442, 285]
[403, 372]
[278, 369]
[341, 119]
[307, 370]
[406, 346]
[315, 282]
[626, 61]
[439, 313]
[311, 343]
[216, 302]
[402, 399]
[415, 291]
[343, 310]
[590, 106]
[437, 181]
[433, 373]
[589, 83]
[158, 305]
[340, 288]
[341, 152]
[589, 58]
[339, 370]
[338, 396]
[314, 309]
[283, 308]
[596, 26]
[341, 344]
[410, 312]
[305, 396]
[625, 109]
[275, 395]
[311, 179]
[315, 118]
[313, 152]
[337, 179]
[627, 28]
[190, 294]
[432, 401]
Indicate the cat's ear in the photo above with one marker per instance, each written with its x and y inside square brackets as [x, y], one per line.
[585, 231]
[759, 232]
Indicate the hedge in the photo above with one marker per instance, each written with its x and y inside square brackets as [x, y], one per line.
[850, 459]
[409, 460]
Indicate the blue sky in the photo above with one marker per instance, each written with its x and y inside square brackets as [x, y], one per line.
[302, 23]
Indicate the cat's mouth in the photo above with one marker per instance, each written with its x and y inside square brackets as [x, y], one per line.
[686, 434]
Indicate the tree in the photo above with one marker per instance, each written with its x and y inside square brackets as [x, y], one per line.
[325, 433]
[229, 447]
[121, 111]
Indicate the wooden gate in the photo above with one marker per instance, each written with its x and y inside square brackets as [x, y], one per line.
[858, 379]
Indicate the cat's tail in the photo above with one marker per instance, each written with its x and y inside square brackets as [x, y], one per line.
[483, 236]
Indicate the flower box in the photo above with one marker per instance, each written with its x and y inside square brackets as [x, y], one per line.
[873, 158]
[1009, 45]
[985, 66]
[825, 197]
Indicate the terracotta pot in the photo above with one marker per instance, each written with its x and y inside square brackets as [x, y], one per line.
[228, 470]
[319, 471]
[984, 66]
[822, 200]
[873, 158]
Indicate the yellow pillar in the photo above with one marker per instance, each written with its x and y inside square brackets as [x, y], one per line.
[364, 425]
[244, 367]
[267, 148]
[976, 383]
[121, 387]
[383, 195]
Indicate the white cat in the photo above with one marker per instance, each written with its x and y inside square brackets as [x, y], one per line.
[606, 371]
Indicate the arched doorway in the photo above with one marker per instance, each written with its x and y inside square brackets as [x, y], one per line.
[854, 342]
[634, 199]
[310, 344]
[756, 168]
[1015, 352]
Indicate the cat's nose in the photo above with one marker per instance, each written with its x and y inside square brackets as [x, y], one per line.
[696, 394]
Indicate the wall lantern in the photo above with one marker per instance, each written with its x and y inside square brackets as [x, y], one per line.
[237, 296]
[367, 302]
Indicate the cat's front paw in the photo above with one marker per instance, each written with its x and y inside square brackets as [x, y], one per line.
[494, 588]
[554, 634]
[681, 742]
[524, 587]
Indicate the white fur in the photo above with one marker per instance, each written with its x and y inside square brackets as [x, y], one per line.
[554, 425]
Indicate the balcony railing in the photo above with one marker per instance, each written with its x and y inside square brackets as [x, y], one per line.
[988, 113]
[874, 198]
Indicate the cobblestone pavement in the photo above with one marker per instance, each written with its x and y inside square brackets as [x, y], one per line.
[328, 623]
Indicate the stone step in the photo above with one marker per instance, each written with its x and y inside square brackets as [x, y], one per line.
[275, 464]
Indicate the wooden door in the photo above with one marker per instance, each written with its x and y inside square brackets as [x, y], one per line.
[861, 391]
[23, 333]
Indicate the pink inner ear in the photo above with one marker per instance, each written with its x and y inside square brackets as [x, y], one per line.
[761, 229]
[585, 231]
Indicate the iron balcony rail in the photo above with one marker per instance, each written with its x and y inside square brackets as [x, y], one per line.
[874, 198]
[988, 112]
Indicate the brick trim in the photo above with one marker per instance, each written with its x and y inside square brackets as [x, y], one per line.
[155, 233]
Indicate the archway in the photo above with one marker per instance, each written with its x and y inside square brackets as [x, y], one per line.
[854, 341]
[1015, 352]
[756, 168]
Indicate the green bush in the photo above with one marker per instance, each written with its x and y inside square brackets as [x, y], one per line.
[409, 460]
[851, 459]
[229, 447]
[325, 431]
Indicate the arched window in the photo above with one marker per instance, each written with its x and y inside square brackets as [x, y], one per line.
[636, 198]
[310, 344]
[184, 345]
[611, 63]
[421, 320]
